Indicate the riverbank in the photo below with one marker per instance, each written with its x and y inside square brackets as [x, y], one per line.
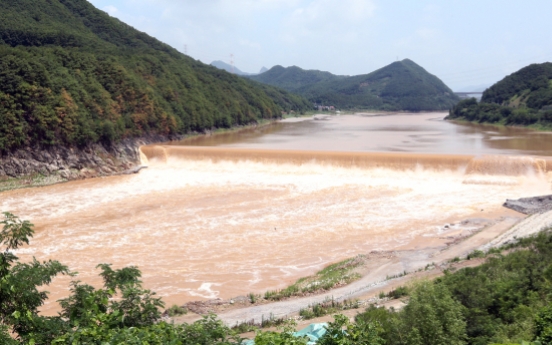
[38, 167]
[34, 167]
[386, 271]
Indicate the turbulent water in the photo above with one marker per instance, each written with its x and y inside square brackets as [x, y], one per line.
[205, 222]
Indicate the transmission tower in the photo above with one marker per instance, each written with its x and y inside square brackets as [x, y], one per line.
[232, 62]
[185, 49]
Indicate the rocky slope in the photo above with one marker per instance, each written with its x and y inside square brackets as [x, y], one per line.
[40, 166]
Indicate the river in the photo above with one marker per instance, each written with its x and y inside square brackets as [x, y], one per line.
[225, 215]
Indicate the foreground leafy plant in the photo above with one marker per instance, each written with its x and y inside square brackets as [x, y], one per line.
[19, 282]
[344, 332]
[121, 312]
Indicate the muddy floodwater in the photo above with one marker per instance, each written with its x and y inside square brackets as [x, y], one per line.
[226, 215]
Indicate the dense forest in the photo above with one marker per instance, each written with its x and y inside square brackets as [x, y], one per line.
[72, 75]
[294, 78]
[522, 98]
[505, 300]
[402, 85]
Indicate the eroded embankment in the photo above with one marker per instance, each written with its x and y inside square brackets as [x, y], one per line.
[44, 166]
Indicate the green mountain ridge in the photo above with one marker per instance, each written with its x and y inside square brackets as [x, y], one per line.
[402, 85]
[294, 78]
[522, 98]
[72, 75]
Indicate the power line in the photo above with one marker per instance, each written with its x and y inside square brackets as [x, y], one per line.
[498, 67]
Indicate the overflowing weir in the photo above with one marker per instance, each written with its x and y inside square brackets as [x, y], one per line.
[493, 165]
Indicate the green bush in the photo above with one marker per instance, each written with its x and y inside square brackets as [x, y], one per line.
[176, 310]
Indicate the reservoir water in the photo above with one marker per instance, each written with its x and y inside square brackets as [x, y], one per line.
[225, 215]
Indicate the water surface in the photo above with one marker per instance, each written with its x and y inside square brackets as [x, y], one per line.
[420, 133]
[253, 213]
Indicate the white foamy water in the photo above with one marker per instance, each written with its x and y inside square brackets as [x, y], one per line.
[203, 228]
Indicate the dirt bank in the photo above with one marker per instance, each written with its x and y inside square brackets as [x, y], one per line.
[385, 272]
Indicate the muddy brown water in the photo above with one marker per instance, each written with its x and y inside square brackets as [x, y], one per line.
[255, 210]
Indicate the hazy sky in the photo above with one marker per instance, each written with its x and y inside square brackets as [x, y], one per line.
[465, 43]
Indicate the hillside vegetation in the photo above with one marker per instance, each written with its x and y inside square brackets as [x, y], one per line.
[402, 85]
[522, 98]
[294, 78]
[72, 75]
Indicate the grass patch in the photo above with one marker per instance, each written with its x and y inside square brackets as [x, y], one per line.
[475, 254]
[176, 311]
[34, 180]
[338, 274]
[251, 326]
[329, 306]
[303, 114]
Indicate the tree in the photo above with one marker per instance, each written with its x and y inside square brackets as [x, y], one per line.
[121, 312]
[433, 317]
[343, 332]
[19, 282]
[543, 326]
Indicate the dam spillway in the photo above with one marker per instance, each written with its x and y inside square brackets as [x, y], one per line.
[206, 222]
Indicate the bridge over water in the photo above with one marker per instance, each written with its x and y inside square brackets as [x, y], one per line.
[475, 94]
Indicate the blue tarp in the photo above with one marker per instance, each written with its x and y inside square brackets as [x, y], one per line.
[314, 332]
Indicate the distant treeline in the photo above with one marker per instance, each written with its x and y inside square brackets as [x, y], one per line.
[523, 98]
[72, 75]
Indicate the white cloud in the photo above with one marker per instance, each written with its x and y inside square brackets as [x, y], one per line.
[343, 36]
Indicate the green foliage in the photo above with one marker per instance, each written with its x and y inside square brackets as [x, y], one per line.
[72, 75]
[402, 85]
[475, 254]
[206, 331]
[284, 337]
[533, 77]
[543, 326]
[505, 300]
[338, 274]
[433, 317]
[252, 297]
[294, 78]
[120, 313]
[343, 332]
[523, 98]
[20, 297]
[176, 310]
[330, 306]
[399, 292]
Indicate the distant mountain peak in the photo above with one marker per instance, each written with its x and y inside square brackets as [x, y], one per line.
[401, 85]
[233, 69]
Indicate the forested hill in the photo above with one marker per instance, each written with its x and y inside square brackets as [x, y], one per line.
[522, 98]
[402, 85]
[294, 78]
[72, 75]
